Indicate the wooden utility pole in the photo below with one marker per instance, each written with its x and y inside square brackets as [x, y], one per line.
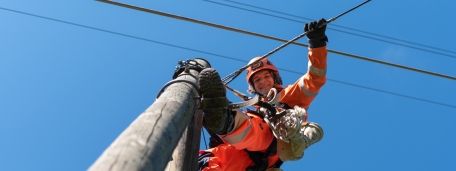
[184, 156]
[149, 141]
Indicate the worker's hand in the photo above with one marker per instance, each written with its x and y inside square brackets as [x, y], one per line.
[316, 33]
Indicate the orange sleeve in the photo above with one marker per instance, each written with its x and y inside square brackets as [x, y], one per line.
[253, 134]
[304, 90]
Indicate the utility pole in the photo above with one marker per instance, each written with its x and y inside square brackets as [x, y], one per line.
[147, 144]
[184, 157]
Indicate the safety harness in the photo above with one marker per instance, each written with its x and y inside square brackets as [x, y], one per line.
[260, 159]
[264, 110]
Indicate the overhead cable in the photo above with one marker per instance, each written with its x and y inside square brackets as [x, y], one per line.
[221, 56]
[367, 35]
[233, 75]
[274, 38]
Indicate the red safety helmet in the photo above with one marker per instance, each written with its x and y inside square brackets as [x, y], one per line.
[260, 65]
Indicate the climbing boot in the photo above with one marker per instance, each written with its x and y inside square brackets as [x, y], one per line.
[217, 117]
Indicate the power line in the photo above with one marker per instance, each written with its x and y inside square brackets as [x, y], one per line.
[116, 33]
[379, 90]
[367, 35]
[273, 38]
[221, 56]
[235, 74]
[344, 27]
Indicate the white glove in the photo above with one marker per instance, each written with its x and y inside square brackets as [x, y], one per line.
[288, 126]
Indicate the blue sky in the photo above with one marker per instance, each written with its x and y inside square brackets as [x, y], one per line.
[75, 74]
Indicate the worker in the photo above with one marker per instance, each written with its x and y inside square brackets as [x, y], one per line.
[249, 140]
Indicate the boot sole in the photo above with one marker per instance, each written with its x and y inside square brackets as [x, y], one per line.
[214, 100]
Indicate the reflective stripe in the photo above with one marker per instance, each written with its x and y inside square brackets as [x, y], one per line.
[238, 138]
[239, 118]
[304, 89]
[317, 71]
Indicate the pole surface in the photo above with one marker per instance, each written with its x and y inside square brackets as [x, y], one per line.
[149, 141]
[185, 154]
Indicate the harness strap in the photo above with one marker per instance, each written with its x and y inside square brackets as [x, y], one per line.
[214, 140]
[249, 102]
[260, 159]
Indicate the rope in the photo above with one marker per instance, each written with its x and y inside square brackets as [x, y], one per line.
[226, 57]
[238, 93]
[276, 39]
[235, 74]
[365, 34]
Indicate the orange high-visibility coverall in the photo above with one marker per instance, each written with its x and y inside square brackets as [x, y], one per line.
[253, 133]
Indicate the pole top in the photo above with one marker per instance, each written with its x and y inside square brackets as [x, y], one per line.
[203, 62]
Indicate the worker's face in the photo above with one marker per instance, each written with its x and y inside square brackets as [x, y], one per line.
[263, 81]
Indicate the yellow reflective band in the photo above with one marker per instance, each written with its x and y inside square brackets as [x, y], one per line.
[304, 89]
[238, 138]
